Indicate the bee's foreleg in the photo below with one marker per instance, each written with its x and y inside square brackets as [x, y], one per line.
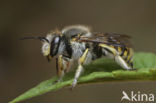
[59, 68]
[80, 67]
[62, 65]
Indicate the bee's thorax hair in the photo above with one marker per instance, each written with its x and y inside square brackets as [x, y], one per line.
[73, 30]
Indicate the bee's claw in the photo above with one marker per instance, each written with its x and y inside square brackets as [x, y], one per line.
[134, 69]
[57, 81]
[74, 84]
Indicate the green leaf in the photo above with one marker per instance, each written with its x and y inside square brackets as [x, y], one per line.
[101, 70]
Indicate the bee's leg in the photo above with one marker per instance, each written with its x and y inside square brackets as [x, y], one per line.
[126, 60]
[60, 67]
[80, 67]
[123, 63]
[67, 64]
[117, 57]
[112, 50]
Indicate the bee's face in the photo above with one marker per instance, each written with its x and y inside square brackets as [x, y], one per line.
[46, 49]
[50, 49]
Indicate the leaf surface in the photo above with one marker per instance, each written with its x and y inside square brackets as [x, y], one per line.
[101, 70]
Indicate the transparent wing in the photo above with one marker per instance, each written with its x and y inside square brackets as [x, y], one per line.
[109, 39]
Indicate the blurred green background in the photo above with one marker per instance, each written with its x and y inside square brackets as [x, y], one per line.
[22, 65]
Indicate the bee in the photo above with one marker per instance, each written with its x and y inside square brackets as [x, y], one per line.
[78, 44]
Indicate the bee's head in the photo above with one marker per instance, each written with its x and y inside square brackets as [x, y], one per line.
[50, 45]
[50, 49]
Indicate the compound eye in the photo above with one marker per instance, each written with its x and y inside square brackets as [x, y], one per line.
[56, 40]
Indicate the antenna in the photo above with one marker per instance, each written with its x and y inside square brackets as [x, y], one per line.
[39, 38]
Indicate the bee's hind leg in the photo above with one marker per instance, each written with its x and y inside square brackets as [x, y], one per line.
[80, 68]
[117, 57]
[123, 63]
[126, 61]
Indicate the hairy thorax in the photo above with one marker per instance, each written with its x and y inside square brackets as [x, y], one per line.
[78, 49]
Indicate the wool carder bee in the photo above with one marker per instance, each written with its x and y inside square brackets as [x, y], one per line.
[78, 44]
